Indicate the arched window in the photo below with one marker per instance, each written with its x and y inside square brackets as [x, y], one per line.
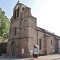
[51, 41]
[40, 43]
[17, 12]
[15, 30]
[23, 9]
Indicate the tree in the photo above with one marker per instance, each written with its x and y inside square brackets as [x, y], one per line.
[4, 25]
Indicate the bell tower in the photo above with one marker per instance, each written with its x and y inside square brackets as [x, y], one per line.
[23, 35]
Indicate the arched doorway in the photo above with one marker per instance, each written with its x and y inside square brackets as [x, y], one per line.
[13, 47]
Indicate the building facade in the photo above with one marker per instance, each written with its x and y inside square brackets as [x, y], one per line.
[24, 34]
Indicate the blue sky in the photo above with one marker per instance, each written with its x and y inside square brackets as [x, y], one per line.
[47, 12]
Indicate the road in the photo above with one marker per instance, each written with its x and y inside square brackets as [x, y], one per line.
[50, 57]
[47, 57]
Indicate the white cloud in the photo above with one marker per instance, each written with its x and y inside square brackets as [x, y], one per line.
[48, 14]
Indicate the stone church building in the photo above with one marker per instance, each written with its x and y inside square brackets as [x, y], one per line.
[24, 34]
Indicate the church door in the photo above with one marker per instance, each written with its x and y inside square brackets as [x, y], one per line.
[12, 51]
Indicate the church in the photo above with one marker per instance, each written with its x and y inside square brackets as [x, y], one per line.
[24, 34]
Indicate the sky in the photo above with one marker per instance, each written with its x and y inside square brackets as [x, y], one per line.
[47, 12]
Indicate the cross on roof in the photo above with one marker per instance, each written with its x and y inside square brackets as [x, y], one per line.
[18, 1]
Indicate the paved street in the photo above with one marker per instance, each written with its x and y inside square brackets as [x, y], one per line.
[4, 57]
[48, 57]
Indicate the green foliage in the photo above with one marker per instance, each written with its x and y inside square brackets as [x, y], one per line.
[4, 25]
